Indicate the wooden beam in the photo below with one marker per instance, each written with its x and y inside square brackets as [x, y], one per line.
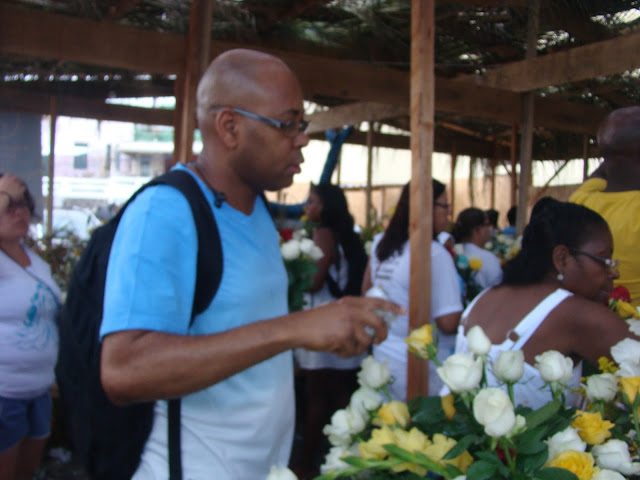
[31, 32]
[421, 197]
[589, 61]
[27, 31]
[15, 99]
[353, 114]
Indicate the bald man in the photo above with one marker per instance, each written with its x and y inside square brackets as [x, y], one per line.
[233, 367]
[613, 191]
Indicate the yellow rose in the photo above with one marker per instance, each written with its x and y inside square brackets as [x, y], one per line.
[607, 366]
[626, 310]
[419, 339]
[591, 427]
[413, 441]
[475, 264]
[447, 406]
[630, 386]
[440, 446]
[374, 447]
[580, 463]
[392, 413]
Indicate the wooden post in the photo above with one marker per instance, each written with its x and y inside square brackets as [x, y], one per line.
[585, 157]
[514, 163]
[526, 140]
[452, 187]
[421, 193]
[369, 174]
[493, 182]
[53, 115]
[195, 60]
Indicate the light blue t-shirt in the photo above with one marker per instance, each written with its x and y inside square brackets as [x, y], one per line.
[241, 426]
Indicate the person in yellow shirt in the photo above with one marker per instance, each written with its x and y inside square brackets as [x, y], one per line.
[613, 191]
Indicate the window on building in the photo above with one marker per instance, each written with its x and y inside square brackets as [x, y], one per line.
[80, 157]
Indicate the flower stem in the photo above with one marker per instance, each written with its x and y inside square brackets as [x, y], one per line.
[510, 392]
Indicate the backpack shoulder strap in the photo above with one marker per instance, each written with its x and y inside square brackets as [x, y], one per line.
[209, 261]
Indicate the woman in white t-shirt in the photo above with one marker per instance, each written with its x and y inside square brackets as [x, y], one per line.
[28, 337]
[329, 380]
[389, 269]
[472, 230]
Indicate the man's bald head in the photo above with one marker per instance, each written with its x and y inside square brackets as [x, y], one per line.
[619, 134]
[237, 78]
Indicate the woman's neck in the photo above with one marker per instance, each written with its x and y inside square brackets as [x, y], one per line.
[16, 252]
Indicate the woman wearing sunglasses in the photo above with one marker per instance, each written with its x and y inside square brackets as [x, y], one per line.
[29, 302]
[553, 297]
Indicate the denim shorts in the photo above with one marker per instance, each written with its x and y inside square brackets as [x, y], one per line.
[20, 418]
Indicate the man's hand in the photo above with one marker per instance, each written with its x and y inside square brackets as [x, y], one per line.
[346, 327]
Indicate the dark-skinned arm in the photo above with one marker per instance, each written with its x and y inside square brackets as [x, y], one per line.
[141, 365]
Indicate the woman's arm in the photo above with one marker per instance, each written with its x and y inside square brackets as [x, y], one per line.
[323, 237]
[366, 279]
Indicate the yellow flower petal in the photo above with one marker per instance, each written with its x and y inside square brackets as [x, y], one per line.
[591, 427]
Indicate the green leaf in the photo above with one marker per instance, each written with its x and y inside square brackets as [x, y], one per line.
[531, 463]
[543, 414]
[553, 473]
[481, 470]
[463, 444]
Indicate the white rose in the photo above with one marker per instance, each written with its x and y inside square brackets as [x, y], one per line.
[626, 353]
[601, 387]
[519, 427]
[461, 372]
[373, 374]
[299, 234]
[554, 367]
[567, 439]
[306, 245]
[614, 455]
[477, 341]
[290, 250]
[281, 473]
[607, 475]
[344, 423]
[458, 249]
[333, 460]
[316, 253]
[634, 325]
[367, 247]
[365, 399]
[493, 409]
[509, 366]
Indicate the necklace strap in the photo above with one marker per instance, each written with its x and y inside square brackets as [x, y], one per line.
[220, 197]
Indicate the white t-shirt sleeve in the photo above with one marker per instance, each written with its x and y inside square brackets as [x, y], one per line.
[445, 287]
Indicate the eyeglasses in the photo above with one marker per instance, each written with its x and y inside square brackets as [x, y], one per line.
[14, 205]
[442, 204]
[610, 263]
[291, 128]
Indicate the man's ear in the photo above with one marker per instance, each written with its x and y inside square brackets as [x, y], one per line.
[560, 258]
[226, 124]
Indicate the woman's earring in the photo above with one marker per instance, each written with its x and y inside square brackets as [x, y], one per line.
[560, 277]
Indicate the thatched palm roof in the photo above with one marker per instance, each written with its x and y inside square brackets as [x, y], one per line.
[347, 52]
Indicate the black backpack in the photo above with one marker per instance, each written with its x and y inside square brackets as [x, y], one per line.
[110, 439]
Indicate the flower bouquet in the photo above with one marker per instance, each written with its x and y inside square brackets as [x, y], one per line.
[620, 302]
[299, 255]
[504, 247]
[478, 432]
[467, 269]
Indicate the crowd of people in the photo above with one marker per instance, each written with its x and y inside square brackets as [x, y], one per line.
[233, 366]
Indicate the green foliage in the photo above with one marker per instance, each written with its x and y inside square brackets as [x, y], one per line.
[61, 249]
[300, 272]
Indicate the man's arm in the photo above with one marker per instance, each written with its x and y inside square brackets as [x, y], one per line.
[139, 365]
